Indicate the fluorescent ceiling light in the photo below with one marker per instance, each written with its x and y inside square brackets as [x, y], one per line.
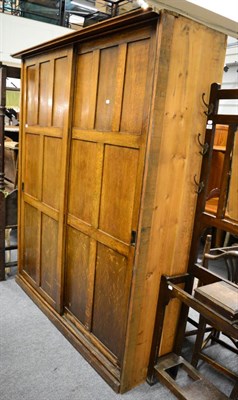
[83, 6]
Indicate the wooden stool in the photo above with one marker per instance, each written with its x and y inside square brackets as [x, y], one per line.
[222, 297]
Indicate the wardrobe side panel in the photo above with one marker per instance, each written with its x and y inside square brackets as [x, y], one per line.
[199, 61]
[190, 57]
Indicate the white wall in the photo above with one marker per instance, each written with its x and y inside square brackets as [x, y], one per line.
[17, 33]
[227, 8]
[232, 51]
[205, 16]
[230, 77]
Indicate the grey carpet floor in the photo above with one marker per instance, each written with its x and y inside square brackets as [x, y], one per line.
[38, 363]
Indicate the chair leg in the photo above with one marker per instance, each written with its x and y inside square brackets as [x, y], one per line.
[215, 335]
[199, 341]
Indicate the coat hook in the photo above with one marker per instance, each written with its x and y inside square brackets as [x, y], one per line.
[204, 146]
[210, 107]
[200, 185]
[206, 104]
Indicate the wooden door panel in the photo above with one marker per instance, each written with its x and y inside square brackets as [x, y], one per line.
[32, 166]
[135, 86]
[49, 253]
[32, 95]
[52, 163]
[77, 273]
[59, 105]
[85, 88]
[118, 191]
[84, 187]
[31, 264]
[106, 89]
[45, 103]
[111, 297]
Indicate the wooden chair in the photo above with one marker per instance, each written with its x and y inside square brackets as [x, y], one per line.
[228, 256]
[213, 313]
[221, 300]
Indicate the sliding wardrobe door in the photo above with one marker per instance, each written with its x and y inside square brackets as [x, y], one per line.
[47, 80]
[111, 101]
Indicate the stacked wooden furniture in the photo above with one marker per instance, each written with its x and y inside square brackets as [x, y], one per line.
[110, 118]
[216, 300]
[8, 170]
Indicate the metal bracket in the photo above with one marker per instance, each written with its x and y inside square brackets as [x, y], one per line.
[200, 185]
[210, 107]
[204, 146]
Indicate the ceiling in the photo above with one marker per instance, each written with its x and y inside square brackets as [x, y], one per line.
[76, 14]
[70, 13]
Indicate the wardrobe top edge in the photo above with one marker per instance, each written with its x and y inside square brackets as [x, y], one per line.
[130, 19]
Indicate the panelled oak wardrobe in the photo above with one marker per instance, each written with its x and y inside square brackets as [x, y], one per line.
[109, 124]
